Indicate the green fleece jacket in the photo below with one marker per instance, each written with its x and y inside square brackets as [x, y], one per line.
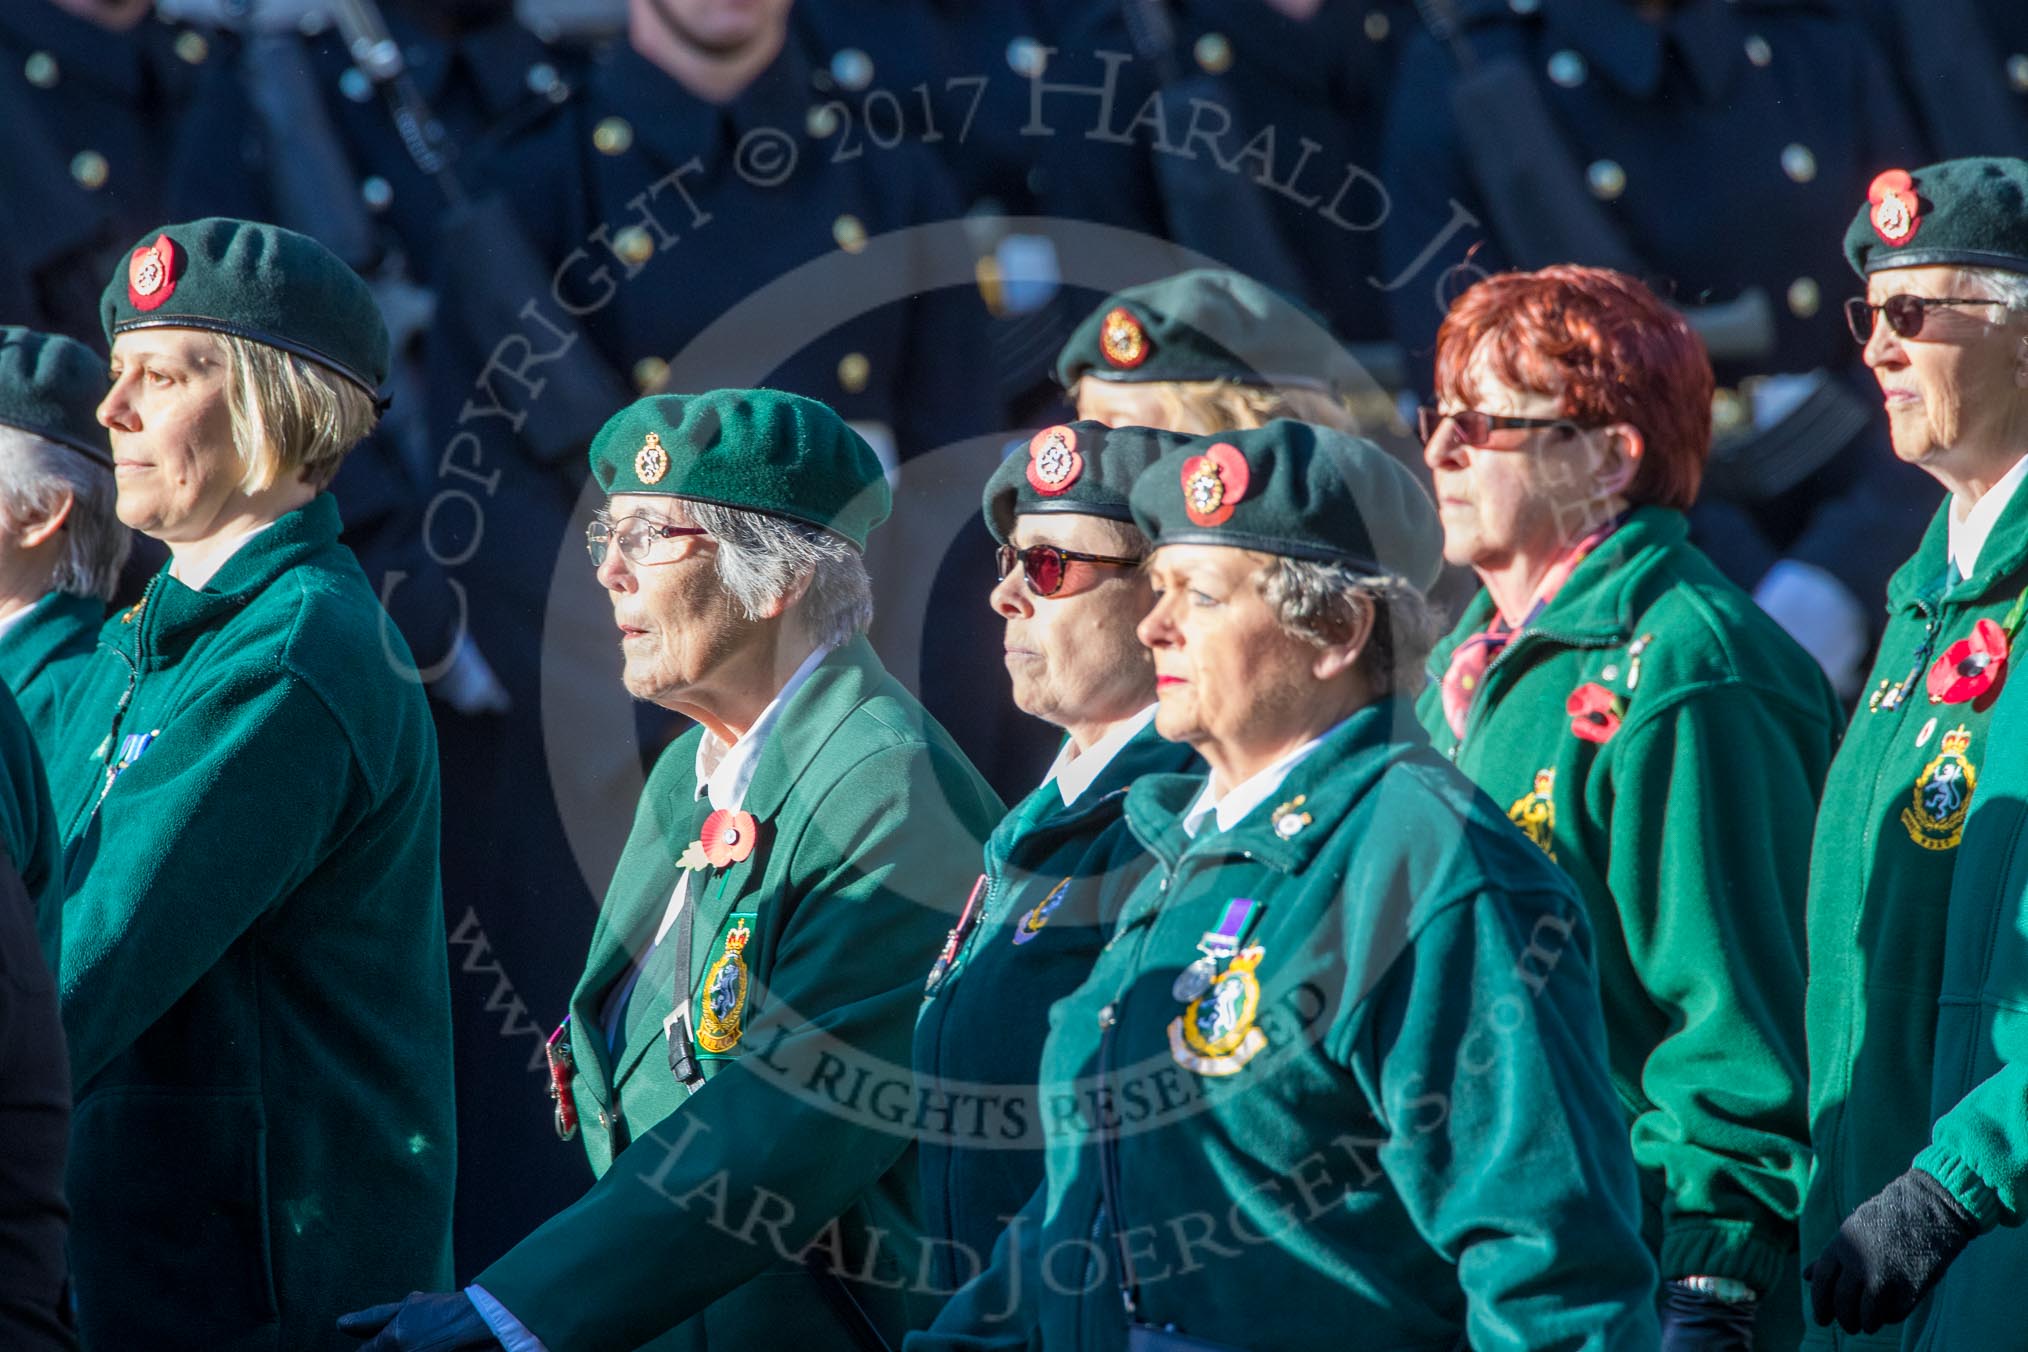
[1682, 818]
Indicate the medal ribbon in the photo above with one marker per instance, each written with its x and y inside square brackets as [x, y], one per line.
[1223, 942]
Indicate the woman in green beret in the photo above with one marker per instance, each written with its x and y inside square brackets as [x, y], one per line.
[254, 979]
[1919, 871]
[1342, 1065]
[1656, 735]
[1071, 592]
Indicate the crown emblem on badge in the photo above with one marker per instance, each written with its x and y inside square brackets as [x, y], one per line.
[151, 273]
[736, 937]
[1213, 484]
[1122, 339]
[1957, 741]
[1053, 460]
[651, 462]
[1897, 210]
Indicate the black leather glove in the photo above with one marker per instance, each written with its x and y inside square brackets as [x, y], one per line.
[442, 1321]
[1888, 1254]
[1694, 1321]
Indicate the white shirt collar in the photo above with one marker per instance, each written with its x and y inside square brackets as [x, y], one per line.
[725, 771]
[1970, 527]
[1233, 807]
[196, 583]
[1075, 770]
[13, 622]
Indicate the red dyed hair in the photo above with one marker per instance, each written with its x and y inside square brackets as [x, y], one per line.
[1608, 348]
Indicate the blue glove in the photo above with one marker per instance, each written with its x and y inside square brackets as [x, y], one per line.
[1696, 1321]
[1888, 1254]
[444, 1321]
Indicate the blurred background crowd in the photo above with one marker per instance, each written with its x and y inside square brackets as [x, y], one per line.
[902, 208]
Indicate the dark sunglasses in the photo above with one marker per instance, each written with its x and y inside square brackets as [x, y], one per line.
[1476, 428]
[1904, 314]
[1043, 566]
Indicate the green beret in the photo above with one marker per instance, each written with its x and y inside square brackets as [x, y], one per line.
[1083, 467]
[1298, 490]
[253, 281]
[1208, 324]
[757, 450]
[1970, 213]
[52, 386]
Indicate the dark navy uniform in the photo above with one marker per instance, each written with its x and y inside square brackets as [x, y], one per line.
[1963, 66]
[1721, 149]
[108, 133]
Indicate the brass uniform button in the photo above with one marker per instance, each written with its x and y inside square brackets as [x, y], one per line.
[354, 85]
[1567, 68]
[542, 79]
[192, 47]
[649, 374]
[2017, 72]
[849, 233]
[1729, 410]
[1377, 26]
[89, 168]
[1805, 297]
[613, 136]
[852, 68]
[1757, 50]
[821, 121]
[1025, 56]
[1799, 163]
[41, 70]
[376, 192]
[853, 372]
[1606, 179]
[1524, 6]
[634, 245]
[1213, 53]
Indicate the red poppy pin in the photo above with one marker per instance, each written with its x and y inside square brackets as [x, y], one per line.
[1122, 339]
[1053, 460]
[1595, 712]
[1970, 670]
[728, 837]
[1897, 210]
[152, 271]
[1213, 484]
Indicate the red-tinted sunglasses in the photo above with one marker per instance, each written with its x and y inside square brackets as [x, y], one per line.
[1475, 428]
[1043, 566]
[1905, 314]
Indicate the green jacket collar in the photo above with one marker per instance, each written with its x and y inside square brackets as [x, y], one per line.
[1330, 780]
[843, 681]
[171, 614]
[1042, 820]
[2002, 560]
[53, 624]
[1597, 602]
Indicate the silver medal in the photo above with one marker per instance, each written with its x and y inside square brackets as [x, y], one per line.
[1194, 980]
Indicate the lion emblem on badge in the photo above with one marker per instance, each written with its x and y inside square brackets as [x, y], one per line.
[1943, 795]
[651, 462]
[724, 998]
[1216, 1033]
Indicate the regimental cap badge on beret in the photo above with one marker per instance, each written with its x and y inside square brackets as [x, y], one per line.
[1123, 340]
[1053, 460]
[1897, 210]
[1213, 484]
[651, 462]
[152, 272]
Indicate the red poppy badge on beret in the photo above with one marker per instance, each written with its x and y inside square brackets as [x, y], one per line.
[152, 271]
[1595, 712]
[1122, 339]
[1053, 460]
[1897, 211]
[728, 837]
[1213, 484]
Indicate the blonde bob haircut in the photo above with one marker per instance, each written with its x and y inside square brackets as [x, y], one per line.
[1202, 407]
[290, 415]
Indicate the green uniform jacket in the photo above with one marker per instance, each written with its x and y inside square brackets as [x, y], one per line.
[1891, 842]
[1390, 1114]
[1978, 1146]
[870, 823]
[1684, 832]
[254, 978]
[1042, 919]
[28, 828]
[43, 656]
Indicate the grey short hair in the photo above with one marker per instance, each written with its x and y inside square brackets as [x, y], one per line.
[1317, 602]
[2008, 288]
[34, 476]
[761, 558]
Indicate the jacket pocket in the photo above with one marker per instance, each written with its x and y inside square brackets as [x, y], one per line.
[169, 1238]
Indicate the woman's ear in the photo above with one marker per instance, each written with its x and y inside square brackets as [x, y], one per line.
[1336, 658]
[42, 531]
[1618, 449]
